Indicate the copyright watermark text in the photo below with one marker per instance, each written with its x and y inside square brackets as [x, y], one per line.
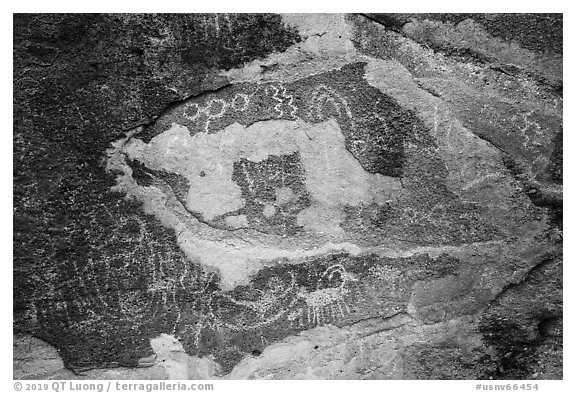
[507, 386]
[109, 386]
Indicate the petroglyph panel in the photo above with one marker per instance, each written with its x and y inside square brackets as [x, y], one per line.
[289, 197]
[358, 199]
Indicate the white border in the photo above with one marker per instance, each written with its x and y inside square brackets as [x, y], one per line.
[305, 6]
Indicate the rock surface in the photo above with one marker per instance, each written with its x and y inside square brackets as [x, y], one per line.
[372, 196]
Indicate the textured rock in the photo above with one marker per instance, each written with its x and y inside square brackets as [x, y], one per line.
[305, 196]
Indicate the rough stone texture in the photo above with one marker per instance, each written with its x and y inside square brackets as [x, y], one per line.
[298, 196]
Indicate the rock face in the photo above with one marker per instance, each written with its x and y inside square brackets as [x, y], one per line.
[298, 196]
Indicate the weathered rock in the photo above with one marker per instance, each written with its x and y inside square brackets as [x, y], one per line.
[305, 196]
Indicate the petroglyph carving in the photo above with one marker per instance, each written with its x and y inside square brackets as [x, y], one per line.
[533, 136]
[323, 97]
[279, 94]
[278, 301]
[274, 301]
[328, 304]
[214, 109]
